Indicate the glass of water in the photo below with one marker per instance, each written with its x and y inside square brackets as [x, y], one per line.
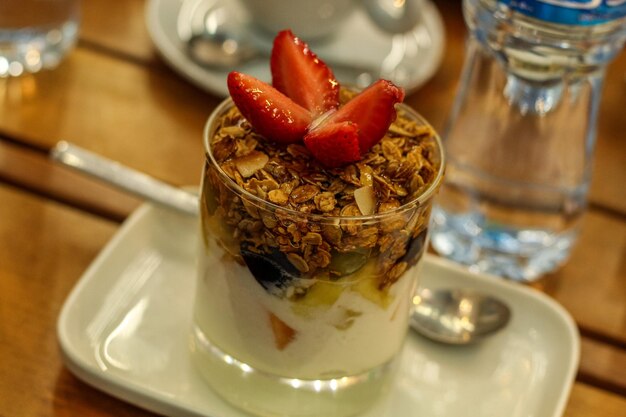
[36, 34]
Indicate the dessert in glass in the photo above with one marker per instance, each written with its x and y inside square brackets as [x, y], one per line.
[315, 205]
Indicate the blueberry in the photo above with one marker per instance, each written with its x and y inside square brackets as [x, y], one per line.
[271, 269]
[415, 248]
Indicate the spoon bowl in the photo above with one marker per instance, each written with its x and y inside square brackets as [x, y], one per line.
[410, 39]
[212, 31]
[457, 316]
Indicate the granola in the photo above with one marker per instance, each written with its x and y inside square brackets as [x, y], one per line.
[292, 184]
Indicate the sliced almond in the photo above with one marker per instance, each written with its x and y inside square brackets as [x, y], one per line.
[248, 164]
[283, 334]
[365, 200]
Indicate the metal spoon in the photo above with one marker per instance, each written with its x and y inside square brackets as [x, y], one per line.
[212, 32]
[125, 178]
[447, 316]
[457, 316]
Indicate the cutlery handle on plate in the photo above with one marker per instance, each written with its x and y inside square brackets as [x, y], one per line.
[125, 178]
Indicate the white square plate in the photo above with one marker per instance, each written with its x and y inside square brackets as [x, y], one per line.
[125, 329]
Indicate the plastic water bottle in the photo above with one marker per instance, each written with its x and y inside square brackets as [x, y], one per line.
[521, 134]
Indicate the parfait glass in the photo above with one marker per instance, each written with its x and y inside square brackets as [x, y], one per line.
[300, 313]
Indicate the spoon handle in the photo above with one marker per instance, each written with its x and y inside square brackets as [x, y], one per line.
[125, 178]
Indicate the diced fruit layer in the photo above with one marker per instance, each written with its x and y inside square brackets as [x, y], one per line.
[299, 74]
[368, 286]
[321, 294]
[272, 114]
[283, 334]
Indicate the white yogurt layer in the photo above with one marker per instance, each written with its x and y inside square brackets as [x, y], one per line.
[348, 336]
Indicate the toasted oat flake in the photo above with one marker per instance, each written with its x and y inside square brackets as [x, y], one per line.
[391, 151]
[394, 128]
[312, 239]
[234, 131]
[298, 262]
[223, 149]
[392, 204]
[298, 151]
[325, 202]
[303, 193]
[278, 197]
[365, 174]
[392, 173]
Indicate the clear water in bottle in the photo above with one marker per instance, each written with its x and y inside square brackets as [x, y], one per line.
[521, 134]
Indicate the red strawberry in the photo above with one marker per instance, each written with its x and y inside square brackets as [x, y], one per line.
[272, 114]
[372, 110]
[334, 144]
[302, 76]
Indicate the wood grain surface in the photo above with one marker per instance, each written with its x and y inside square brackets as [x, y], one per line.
[114, 95]
[46, 248]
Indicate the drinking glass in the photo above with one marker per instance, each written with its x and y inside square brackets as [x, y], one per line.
[36, 34]
[296, 313]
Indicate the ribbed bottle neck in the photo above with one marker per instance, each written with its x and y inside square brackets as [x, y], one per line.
[539, 50]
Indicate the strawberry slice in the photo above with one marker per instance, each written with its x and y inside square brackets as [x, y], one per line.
[372, 110]
[334, 144]
[272, 114]
[299, 74]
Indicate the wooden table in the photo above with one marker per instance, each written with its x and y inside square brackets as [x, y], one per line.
[113, 95]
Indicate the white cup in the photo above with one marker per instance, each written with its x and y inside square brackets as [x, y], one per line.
[308, 19]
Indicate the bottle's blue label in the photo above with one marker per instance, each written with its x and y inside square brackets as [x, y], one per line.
[570, 12]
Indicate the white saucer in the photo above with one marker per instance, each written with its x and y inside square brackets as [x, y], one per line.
[125, 329]
[358, 43]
